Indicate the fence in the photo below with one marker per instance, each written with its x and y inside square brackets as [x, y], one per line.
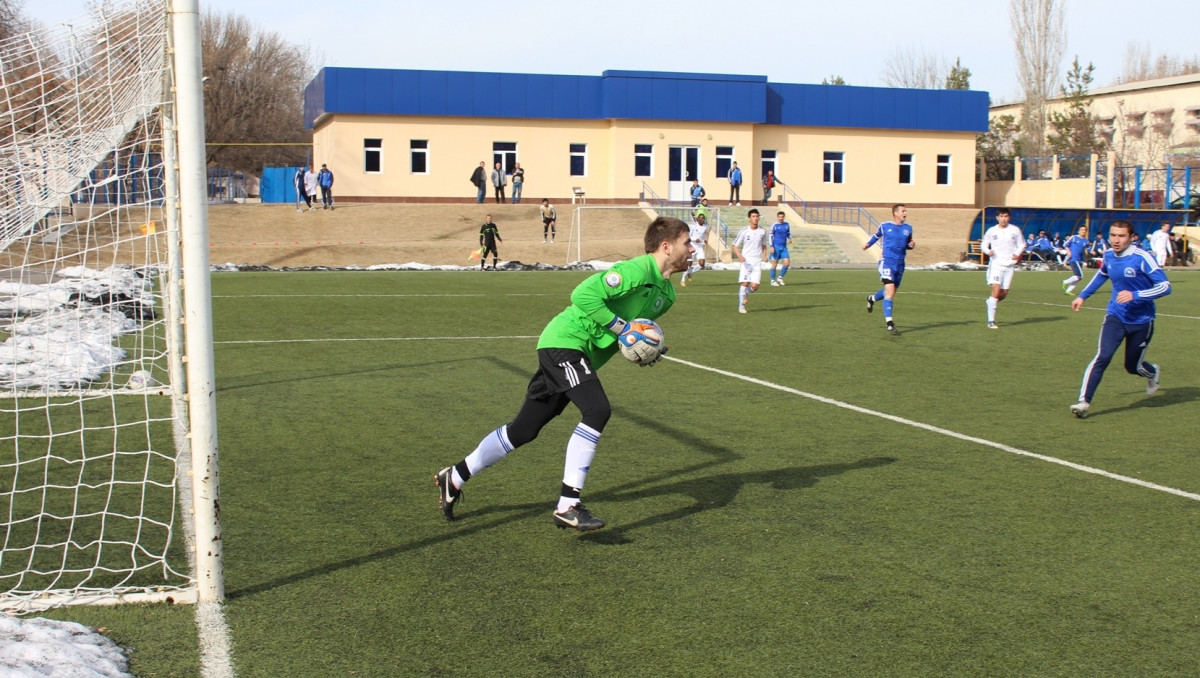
[135, 178]
[225, 185]
[277, 186]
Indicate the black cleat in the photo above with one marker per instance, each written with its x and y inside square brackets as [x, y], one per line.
[577, 517]
[870, 303]
[891, 328]
[447, 495]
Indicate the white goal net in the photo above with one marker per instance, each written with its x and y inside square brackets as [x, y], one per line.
[607, 233]
[95, 491]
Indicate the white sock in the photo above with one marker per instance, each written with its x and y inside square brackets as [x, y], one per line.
[991, 306]
[1072, 280]
[581, 448]
[491, 449]
[742, 292]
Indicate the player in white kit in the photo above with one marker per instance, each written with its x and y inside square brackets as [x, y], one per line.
[698, 234]
[1004, 244]
[748, 247]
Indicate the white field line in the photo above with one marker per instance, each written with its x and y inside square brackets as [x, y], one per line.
[1096, 304]
[941, 431]
[812, 396]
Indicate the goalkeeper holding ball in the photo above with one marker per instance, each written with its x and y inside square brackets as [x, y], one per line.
[575, 344]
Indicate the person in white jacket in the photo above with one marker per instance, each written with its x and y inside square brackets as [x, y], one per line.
[1004, 244]
[310, 188]
[1160, 244]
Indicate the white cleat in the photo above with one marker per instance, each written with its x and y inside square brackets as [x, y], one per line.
[1080, 409]
[1152, 382]
[741, 308]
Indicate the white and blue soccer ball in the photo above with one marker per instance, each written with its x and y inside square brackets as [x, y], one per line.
[643, 343]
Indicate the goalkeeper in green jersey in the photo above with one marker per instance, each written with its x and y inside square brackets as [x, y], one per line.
[575, 344]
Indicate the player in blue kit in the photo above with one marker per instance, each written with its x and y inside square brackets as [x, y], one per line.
[1137, 280]
[897, 241]
[1076, 247]
[781, 237]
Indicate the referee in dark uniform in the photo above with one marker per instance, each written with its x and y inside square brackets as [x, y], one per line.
[489, 235]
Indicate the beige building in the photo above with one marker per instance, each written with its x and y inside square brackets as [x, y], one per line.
[419, 135]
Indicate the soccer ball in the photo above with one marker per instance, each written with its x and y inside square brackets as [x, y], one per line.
[643, 343]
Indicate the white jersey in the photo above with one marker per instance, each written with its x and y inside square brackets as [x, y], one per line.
[1001, 244]
[698, 233]
[1160, 242]
[752, 241]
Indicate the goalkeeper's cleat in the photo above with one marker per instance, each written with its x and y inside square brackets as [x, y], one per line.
[891, 328]
[577, 517]
[447, 495]
[1080, 409]
[1152, 382]
[870, 303]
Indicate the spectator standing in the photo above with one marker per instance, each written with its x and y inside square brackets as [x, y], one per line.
[518, 182]
[1004, 245]
[768, 182]
[499, 181]
[479, 178]
[325, 181]
[1136, 281]
[897, 241]
[549, 219]
[735, 185]
[1160, 244]
[310, 188]
[489, 235]
[301, 194]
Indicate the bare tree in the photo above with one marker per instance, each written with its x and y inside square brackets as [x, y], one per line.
[253, 93]
[914, 68]
[1040, 41]
[1141, 64]
[12, 19]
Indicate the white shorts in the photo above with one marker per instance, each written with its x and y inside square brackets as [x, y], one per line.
[1161, 258]
[698, 251]
[999, 275]
[750, 272]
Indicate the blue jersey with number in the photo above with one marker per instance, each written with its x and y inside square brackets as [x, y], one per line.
[780, 234]
[897, 241]
[1076, 245]
[1134, 270]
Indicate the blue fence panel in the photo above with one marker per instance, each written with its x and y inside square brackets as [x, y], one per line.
[276, 185]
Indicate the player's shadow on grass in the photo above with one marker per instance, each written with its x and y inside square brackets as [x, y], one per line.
[375, 369]
[1165, 397]
[805, 307]
[714, 491]
[1034, 321]
[933, 326]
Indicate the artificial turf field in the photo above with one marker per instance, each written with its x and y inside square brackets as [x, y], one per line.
[763, 518]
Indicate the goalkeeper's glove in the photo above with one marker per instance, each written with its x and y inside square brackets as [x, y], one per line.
[654, 362]
[630, 333]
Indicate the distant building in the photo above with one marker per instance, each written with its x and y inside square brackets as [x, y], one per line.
[418, 135]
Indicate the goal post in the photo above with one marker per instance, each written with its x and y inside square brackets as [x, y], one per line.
[610, 233]
[109, 485]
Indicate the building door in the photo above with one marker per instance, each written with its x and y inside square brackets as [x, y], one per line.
[683, 165]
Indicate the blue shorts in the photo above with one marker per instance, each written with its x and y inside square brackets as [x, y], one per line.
[1076, 268]
[891, 271]
[780, 253]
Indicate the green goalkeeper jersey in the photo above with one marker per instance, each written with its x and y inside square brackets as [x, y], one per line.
[631, 289]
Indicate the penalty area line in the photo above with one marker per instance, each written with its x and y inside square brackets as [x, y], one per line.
[361, 339]
[941, 431]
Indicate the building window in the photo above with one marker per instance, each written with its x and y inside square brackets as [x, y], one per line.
[505, 153]
[372, 156]
[643, 160]
[943, 170]
[768, 162]
[724, 161]
[579, 160]
[418, 152]
[906, 168]
[834, 167]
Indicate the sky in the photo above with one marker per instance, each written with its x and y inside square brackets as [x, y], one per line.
[800, 43]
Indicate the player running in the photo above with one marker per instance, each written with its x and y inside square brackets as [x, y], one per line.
[698, 233]
[574, 345]
[1137, 280]
[748, 248]
[1076, 247]
[781, 237]
[1004, 244]
[897, 241]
